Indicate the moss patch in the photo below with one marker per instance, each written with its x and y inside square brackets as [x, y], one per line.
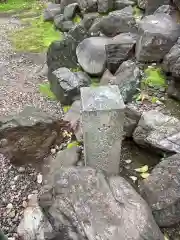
[66, 108]
[95, 82]
[45, 90]
[138, 13]
[36, 37]
[16, 5]
[77, 19]
[154, 77]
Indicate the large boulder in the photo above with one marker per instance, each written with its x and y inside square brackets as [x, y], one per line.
[120, 4]
[66, 84]
[85, 5]
[62, 24]
[51, 11]
[63, 53]
[88, 20]
[71, 10]
[162, 191]
[169, 10]
[105, 5]
[91, 55]
[120, 49]
[127, 77]
[151, 5]
[158, 131]
[97, 208]
[116, 22]
[171, 61]
[28, 136]
[173, 90]
[157, 34]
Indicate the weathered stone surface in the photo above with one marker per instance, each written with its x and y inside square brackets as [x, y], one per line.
[96, 208]
[127, 77]
[71, 10]
[120, 4]
[85, 5]
[105, 5]
[28, 136]
[66, 84]
[158, 131]
[142, 4]
[102, 121]
[118, 21]
[63, 53]
[51, 11]
[177, 3]
[157, 34]
[61, 24]
[174, 89]
[120, 49]
[171, 61]
[88, 19]
[73, 116]
[151, 5]
[169, 10]
[106, 78]
[162, 191]
[91, 55]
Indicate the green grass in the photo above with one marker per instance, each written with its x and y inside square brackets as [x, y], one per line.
[16, 5]
[36, 37]
[45, 90]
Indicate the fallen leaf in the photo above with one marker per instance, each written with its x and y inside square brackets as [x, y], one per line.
[142, 169]
[145, 175]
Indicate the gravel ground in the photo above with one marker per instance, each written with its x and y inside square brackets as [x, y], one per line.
[19, 76]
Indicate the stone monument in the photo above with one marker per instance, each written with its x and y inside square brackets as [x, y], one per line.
[102, 122]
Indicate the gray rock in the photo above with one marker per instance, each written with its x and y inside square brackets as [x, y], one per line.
[142, 3]
[71, 10]
[88, 19]
[61, 24]
[51, 11]
[106, 78]
[97, 208]
[169, 10]
[73, 116]
[127, 77]
[105, 5]
[118, 21]
[66, 84]
[158, 131]
[120, 4]
[162, 191]
[177, 3]
[91, 55]
[63, 53]
[171, 61]
[120, 49]
[157, 34]
[174, 89]
[85, 5]
[151, 5]
[29, 135]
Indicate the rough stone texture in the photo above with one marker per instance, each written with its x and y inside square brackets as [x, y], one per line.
[120, 4]
[169, 10]
[118, 21]
[29, 135]
[174, 89]
[51, 11]
[162, 191]
[85, 5]
[71, 10]
[91, 55]
[127, 77]
[151, 5]
[66, 84]
[61, 24]
[157, 34]
[120, 49]
[96, 208]
[105, 5]
[158, 131]
[142, 4]
[73, 116]
[102, 121]
[177, 3]
[63, 53]
[88, 20]
[171, 61]
[106, 78]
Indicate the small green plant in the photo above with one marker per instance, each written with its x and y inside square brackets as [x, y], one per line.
[72, 144]
[78, 69]
[154, 77]
[45, 90]
[66, 108]
[95, 82]
[77, 19]
[143, 171]
[137, 12]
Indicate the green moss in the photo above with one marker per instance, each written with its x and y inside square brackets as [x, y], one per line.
[78, 69]
[16, 5]
[95, 82]
[138, 13]
[36, 37]
[45, 90]
[77, 19]
[72, 144]
[66, 108]
[154, 77]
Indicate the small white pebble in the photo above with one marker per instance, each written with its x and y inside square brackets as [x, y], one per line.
[9, 206]
[21, 170]
[16, 178]
[53, 151]
[24, 204]
[39, 178]
[128, 161]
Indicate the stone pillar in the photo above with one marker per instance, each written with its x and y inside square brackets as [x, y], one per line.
[102, 122]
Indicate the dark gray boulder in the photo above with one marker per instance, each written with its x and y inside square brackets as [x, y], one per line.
[96, 207]
[91, 55]
[105, 6]
[85, 5]
[127, 77]
[28, 136]
[120, 4]
[118, 21]
[88, 19]
[174, 89]
[162, 191]
[171, 61]
[157, 34]
[51, 11]
[158, 131]
[71, 10]
[120, 49]
[61, 24]
[151, 5]
[63, 53]
[66, 84]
